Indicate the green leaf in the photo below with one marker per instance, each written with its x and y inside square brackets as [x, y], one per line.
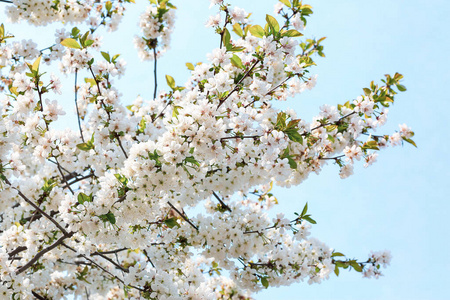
[234, 49]
[273, 23]
[236, 61]
[108, 6]
[82, 197]
[190, 66]
[170, 82]
[356, 266]
[401, 87]
[71, 43]
[410, 141]
[192, 160]
[286, 2]
[35, 66]
[109, 217]
[106, 56]
[113, 60]
[171, 222]
[91, 81]
[85, 146]
[257, 31]
[75, 32]
[309, 219]
[122, 179]
[337, 254]
[88, 43]
[265, 282]
[238, 30]
[294, 136]
[281, 121]
[336, 270]
[305, 210]
[292, 33]
[292, 163]
[226, 37]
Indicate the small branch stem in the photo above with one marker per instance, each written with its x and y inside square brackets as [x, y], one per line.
[183, 216]
[224, 206]
[155, 74]
[76, 105]
[236, 87]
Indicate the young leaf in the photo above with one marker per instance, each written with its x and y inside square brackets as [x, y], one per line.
[171, 223]
[401, 87]
[190, 66]
[106, 56]
[257, 31]
[236, 61]
[238, 30]
[336, 270]
[273, 23]
[286, 2]
[305, 209]
[309, 219]
[35, 66]
[71, 43]
[410, 141]
[226, 37]
[170, 82]
[292, 33]
[82, 197]
[265, 282]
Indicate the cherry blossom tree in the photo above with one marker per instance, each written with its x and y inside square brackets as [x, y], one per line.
[169, 197]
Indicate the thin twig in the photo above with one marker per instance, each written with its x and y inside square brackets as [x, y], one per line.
[33, 292]
[112, 261]
[62, 175]
[237, 84]
[155, 73]
[182, 215]
[76, 105]
[271, 91]
[240, 137]
[101, 268]
[148, 258]
[109, 252]
[224, 206]
[326, 124]
[162, 111]
[107, 112]
[79, 179]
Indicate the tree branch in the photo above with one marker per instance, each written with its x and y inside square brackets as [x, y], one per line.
[39, 209]
[42, 252]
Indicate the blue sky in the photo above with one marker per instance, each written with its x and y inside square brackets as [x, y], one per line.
[401, 203]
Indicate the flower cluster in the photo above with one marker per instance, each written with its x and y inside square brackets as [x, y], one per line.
[156, 24]
[169, 198]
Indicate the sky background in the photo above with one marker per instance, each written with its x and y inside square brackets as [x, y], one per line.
[400, 203]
